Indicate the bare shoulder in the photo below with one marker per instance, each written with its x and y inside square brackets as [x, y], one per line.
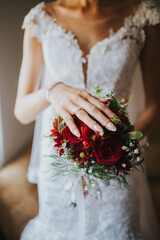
[52, 7]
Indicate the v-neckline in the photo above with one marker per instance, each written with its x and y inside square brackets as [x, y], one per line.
[112, 34]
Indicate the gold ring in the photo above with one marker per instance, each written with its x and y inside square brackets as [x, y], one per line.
[77, 109]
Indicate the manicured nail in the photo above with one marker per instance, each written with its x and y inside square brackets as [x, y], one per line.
[111, 126]
[105, 99]
[77, 133]
[98, 128]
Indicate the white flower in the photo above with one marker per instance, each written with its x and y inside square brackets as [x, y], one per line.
[138, 159]
[136, 151]
[125, 148]
[131, 144]
[123, 165]
[93, 161]
[90, 171]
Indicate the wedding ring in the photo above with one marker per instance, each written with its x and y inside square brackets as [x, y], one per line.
[77, 109]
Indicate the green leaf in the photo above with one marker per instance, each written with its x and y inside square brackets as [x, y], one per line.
[98, 91]
[110, 95]
[130, 99]
[135, 135]
[116, 120]
[114, 102]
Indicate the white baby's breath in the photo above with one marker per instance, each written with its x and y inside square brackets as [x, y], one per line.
[136, 151]
[90, 170]
[125, 148]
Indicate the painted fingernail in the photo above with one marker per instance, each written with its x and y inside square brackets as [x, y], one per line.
[111, 126]
[98, 128]
[77, 133]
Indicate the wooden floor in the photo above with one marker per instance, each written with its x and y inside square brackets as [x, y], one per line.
[18, 198]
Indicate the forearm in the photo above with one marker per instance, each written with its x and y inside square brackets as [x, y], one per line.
[28, 107]
[147, 119]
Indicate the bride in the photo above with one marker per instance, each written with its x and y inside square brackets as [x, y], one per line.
[69, 47]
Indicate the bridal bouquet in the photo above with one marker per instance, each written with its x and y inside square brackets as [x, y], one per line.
[93, 155]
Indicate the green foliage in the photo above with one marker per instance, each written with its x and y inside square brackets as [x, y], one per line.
[98, 91]
[73, 204]
[135, 135]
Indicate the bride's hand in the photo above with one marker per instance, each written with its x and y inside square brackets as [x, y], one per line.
[66, 100]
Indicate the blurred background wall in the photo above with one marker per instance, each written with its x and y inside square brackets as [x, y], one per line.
[13, 135]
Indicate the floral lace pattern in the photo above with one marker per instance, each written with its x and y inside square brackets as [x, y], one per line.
[112, 61]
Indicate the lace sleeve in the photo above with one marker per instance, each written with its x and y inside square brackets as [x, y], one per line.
[34, 19]
[153, 13]
[149, 14]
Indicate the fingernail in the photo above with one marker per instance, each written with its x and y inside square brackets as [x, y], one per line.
[98, 128]
[108, 98]
[77, 133]
[111, 126]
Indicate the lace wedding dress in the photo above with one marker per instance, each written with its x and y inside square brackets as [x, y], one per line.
[111, 65]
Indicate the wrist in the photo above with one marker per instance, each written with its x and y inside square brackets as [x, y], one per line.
[50, 88]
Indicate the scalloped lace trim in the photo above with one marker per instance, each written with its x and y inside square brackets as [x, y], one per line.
[147, 13]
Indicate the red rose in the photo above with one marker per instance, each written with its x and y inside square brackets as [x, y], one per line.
[108, 150]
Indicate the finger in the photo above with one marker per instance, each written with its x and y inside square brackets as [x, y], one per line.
[97, 114]
[99, 104]
[84, 117]
[70, 122]
[88, 120]
[105, 100]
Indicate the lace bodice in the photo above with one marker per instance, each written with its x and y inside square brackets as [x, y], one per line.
[111, 62]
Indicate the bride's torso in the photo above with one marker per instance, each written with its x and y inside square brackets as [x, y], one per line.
[91, 24]
[111, 58]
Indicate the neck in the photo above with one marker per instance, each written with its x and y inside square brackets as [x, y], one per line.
[85, 3]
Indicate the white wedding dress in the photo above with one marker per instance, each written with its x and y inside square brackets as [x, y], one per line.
[111, 65]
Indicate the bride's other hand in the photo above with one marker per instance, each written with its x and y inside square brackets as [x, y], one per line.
[68, 100]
